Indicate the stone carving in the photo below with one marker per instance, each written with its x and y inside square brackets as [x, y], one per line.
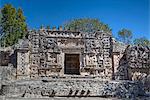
[138, 57]
[49, 46]
[135, 63]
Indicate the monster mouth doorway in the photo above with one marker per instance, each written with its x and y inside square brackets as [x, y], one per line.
[72, 64]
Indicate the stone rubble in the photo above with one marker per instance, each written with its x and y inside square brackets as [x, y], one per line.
[73, 88]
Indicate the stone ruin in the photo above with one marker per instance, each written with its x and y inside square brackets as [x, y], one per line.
[72, 63]
[49, 53]
[136, 60]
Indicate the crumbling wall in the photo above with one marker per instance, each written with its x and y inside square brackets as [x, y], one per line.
[117, 58]
[4, 58]
[135, 63]
[73, 88]
[7, 66]
[7, 74]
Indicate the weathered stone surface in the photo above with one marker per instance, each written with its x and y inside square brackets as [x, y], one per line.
[61, 98]
[72, 87]
[138, 56]
[135, 63]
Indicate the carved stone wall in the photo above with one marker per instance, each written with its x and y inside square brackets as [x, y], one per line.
[23, 64]
[48, 48]
[135, 63]
[139, 62]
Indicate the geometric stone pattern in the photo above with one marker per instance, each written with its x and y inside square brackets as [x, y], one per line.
[47, 49]
[135, 63]
[138, 56]
[22, 64]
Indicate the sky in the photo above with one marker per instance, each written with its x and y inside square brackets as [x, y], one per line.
[130, 14]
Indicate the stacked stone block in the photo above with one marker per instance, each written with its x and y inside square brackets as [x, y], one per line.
[48, 48]
[22, 64]
[34, 54]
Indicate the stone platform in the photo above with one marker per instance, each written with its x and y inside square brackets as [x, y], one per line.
[61, 98]
[47, 88]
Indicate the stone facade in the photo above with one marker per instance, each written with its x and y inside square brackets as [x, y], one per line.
[45, 54]
[134, 63]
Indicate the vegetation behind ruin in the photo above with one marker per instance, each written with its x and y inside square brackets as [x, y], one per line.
[13, 27]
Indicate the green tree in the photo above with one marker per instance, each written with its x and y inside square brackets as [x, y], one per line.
[13, 25]
[22, 27]
[0, 16]
[86, 25]
[125, 36]
[0, 25]
[142, 41]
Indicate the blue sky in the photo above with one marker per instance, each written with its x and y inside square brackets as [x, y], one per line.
[130, 14]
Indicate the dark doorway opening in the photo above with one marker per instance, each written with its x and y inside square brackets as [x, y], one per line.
[72, 64]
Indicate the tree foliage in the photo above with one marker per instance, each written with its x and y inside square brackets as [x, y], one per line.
[0, 16]
[142, 41]
[0, 22]
[13, 25]
[125, 36]
[86, 25]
